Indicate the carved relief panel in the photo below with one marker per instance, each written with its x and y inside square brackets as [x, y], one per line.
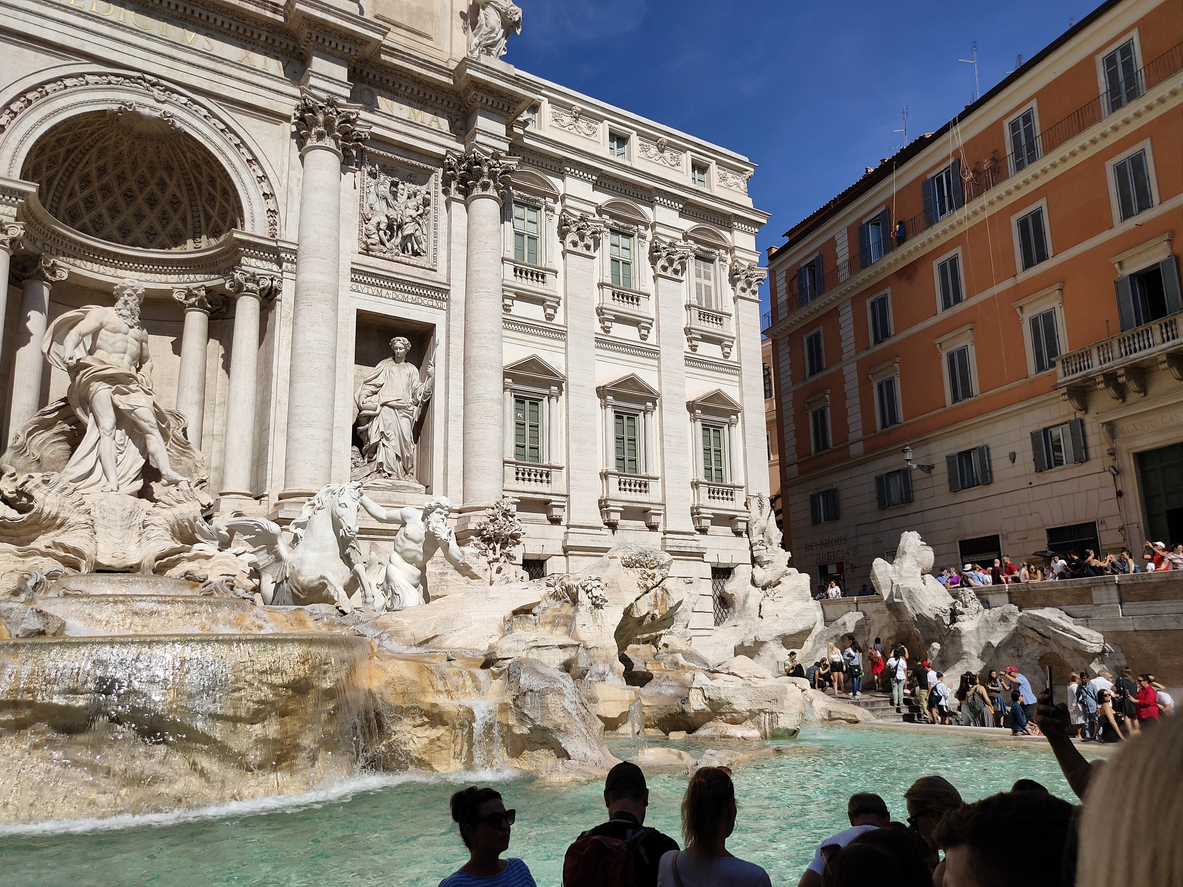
[398, 213]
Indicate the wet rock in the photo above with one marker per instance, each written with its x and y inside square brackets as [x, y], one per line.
[663, 759]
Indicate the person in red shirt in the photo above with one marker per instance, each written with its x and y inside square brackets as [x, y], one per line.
[1009, 571]
[1147, 704]
[1157, 556]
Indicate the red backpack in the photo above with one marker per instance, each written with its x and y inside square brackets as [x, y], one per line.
[601, 861]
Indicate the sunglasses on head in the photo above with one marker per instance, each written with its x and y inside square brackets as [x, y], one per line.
[496, 820]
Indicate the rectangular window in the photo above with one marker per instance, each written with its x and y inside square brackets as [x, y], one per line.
[894, 488]
[1023, 145]
[819, 425]
[1058, 445]
[880, 319]
[767, 381]
[887, 402]
[620, 251]
[628, 445]
[1150, 294]
[712, 454]
[823, 506]
[525, 233]
[1045, 342]
[720, 576]
[698, 175]
[960, 379]
[527, 429]
[969, 468]
[810, 282]
[814, 359]
[874, 238]
[535, 568]
[1121, 78]
[949, 274]
[704, 282]
[617, 145]
[942, 193]
[1032, 239]
[1132, 180]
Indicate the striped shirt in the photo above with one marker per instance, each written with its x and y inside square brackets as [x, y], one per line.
[515, 875]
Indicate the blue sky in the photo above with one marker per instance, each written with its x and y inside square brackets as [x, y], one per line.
[810, 91]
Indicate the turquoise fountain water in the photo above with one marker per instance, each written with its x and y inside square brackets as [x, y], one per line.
[396, 831]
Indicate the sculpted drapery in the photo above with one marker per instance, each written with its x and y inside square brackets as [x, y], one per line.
[388, 402]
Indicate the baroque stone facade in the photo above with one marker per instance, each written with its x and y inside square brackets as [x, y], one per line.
[297, 187]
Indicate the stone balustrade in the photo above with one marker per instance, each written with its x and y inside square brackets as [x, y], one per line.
[1159, 337]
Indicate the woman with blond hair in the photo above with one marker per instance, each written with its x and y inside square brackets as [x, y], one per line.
[708, 819]
[1129, 830]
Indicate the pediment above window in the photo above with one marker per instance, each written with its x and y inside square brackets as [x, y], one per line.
[533, 371]
[631, 388]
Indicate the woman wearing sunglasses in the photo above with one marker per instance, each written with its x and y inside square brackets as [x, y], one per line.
[484, 828]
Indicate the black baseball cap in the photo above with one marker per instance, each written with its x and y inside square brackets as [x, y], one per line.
[624, 776]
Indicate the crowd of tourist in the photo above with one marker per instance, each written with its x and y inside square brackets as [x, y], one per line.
[1155, 557]
[1125, 832]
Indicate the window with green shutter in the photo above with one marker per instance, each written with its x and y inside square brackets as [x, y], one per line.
[621, 254]
[627, 443]
[527, 429]
[525, 233]
[712, 454]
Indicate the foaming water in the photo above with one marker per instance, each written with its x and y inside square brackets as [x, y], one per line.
[377, 831]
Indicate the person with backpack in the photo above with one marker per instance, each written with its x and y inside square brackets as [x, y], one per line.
[622, 852]
[1086, 704]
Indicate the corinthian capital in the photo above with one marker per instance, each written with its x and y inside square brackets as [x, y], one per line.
[746, 278]
[580, 233]
[44, 268]
[669, 258]
[247, 282]
[477, 173]
[10, 236]
[199, 298]
[327, 123]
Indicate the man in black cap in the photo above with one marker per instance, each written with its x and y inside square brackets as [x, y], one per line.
[599, 856]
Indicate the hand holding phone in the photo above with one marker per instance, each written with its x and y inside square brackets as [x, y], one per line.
[1051, 687]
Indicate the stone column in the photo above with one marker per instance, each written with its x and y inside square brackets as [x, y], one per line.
[329, 134]
[581, 235]
[198, 303]
[242, 398]
[38, 275]
[553, 441]
[745, 281]
[483, 179]
[10, 238]
[669, 259]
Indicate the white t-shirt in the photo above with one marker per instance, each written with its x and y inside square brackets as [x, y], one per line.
[942, 693]
[1099, 683]
[1164, 699]
[841, 839]
[722, 871]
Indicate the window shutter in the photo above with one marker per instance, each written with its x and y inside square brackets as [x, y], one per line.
[1125, 300]
[1141, 182]
[864, 245]
[1169, 267]
[885, 229]
[802, 285]
[881, 490]
[1038, 451]
[982, 470]
[958, 184]
[1076, 430]
[930, 202]
[818, 277]
[1125, 190]
[519, 430]
[906, 483]
[951, 470]
[967, 388]
[832, 501]
[815, 508]
[534, 431]
[620, 463]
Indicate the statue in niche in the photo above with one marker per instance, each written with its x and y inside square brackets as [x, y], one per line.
[490, 27]
[396, 216]
[105, 352]
[424, 531]
[390, 401]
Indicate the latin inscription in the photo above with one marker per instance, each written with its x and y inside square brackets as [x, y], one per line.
[378, 101]
[1141, 425]
[135, 19]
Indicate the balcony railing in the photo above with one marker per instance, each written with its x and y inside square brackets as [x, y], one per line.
[620, 304]
[718, 501]
[530, 275]
[1123, 350]
[621, 491]
[709, 324]
[533, 477]
[988, 174]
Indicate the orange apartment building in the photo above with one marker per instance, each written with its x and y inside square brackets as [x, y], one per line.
[982, 338]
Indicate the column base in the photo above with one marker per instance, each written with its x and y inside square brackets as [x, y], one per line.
[236, 500]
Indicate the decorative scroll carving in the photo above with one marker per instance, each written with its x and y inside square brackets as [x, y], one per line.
[580, 233]
[746, 278]
[489, 24]
[199, 297]
[246, 282]
[669, 258]
[574, 121]
[396, 214]
[44, 268]
[733, 180]
[478, 172]
[661, 152]
[327, 123]
[10, 236]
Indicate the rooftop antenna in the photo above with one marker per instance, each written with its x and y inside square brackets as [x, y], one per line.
[974, 62]
[904, 130]
[1018, 64]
